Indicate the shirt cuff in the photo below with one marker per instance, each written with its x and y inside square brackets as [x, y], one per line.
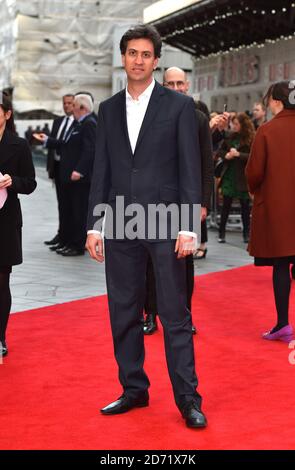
[94, 232]
[188, 234]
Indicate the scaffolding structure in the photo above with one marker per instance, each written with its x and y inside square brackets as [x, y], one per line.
[52, 47]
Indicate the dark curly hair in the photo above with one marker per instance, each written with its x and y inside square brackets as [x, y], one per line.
[142, 31]
[6, 105]
[247, 131]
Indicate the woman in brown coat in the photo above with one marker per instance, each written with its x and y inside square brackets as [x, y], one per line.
[271, 178]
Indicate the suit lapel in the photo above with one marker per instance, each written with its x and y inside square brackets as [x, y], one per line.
[151, 111]
[124, 119]
[148, 118]
[70, 131]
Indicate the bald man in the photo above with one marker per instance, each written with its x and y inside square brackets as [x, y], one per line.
[176, 79]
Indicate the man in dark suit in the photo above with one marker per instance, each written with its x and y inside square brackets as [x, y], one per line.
[77, 151]
[176, 79]
[59, 129]
[147, 151]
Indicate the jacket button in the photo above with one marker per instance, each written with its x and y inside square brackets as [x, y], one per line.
[134, 198]
[134, 170]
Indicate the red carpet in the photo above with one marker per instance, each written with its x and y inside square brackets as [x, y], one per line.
[60, 370]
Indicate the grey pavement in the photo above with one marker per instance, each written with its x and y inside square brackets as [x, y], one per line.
[46, 278]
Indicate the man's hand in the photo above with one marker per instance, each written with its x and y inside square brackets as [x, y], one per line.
[5, 181]
[185, 246]
[40, 137]
[94, 245]
[223, 121]
[75, 176]
[219, 122]
[213, 123]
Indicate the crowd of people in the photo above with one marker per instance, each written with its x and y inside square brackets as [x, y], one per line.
[152, 143]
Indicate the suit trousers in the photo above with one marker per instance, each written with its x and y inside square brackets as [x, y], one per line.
[74, 207]
[126, 264]
[58, 192]
[150, 304]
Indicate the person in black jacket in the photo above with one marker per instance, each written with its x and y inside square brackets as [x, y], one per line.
[18, 172]
[59, 129]
[77, 151]
[176, 79]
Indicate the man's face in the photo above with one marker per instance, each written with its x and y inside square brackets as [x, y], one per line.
[68, 103]
[176, 80]
[139, 60]
[77, 111]
[258, 112]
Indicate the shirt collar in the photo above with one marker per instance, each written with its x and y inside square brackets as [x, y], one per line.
[146, 94]
[83, 117]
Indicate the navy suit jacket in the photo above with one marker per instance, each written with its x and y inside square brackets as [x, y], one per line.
[77, 151]
[166, 165]
[51, 153]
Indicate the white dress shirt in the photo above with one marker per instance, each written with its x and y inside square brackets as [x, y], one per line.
[135, 112]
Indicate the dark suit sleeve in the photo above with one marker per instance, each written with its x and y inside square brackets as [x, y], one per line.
[50, 154]
[85, 163]
[24, 182]
[207, 160]
[53, 143]
[100, 182]
[189, 164]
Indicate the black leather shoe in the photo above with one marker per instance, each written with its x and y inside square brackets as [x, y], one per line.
[124, 404]
[150, 324]
[194, 418]
[54, 241]
[194, 330]
[60, 250]
[56, 247]
[3, 349]
[72, 252]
